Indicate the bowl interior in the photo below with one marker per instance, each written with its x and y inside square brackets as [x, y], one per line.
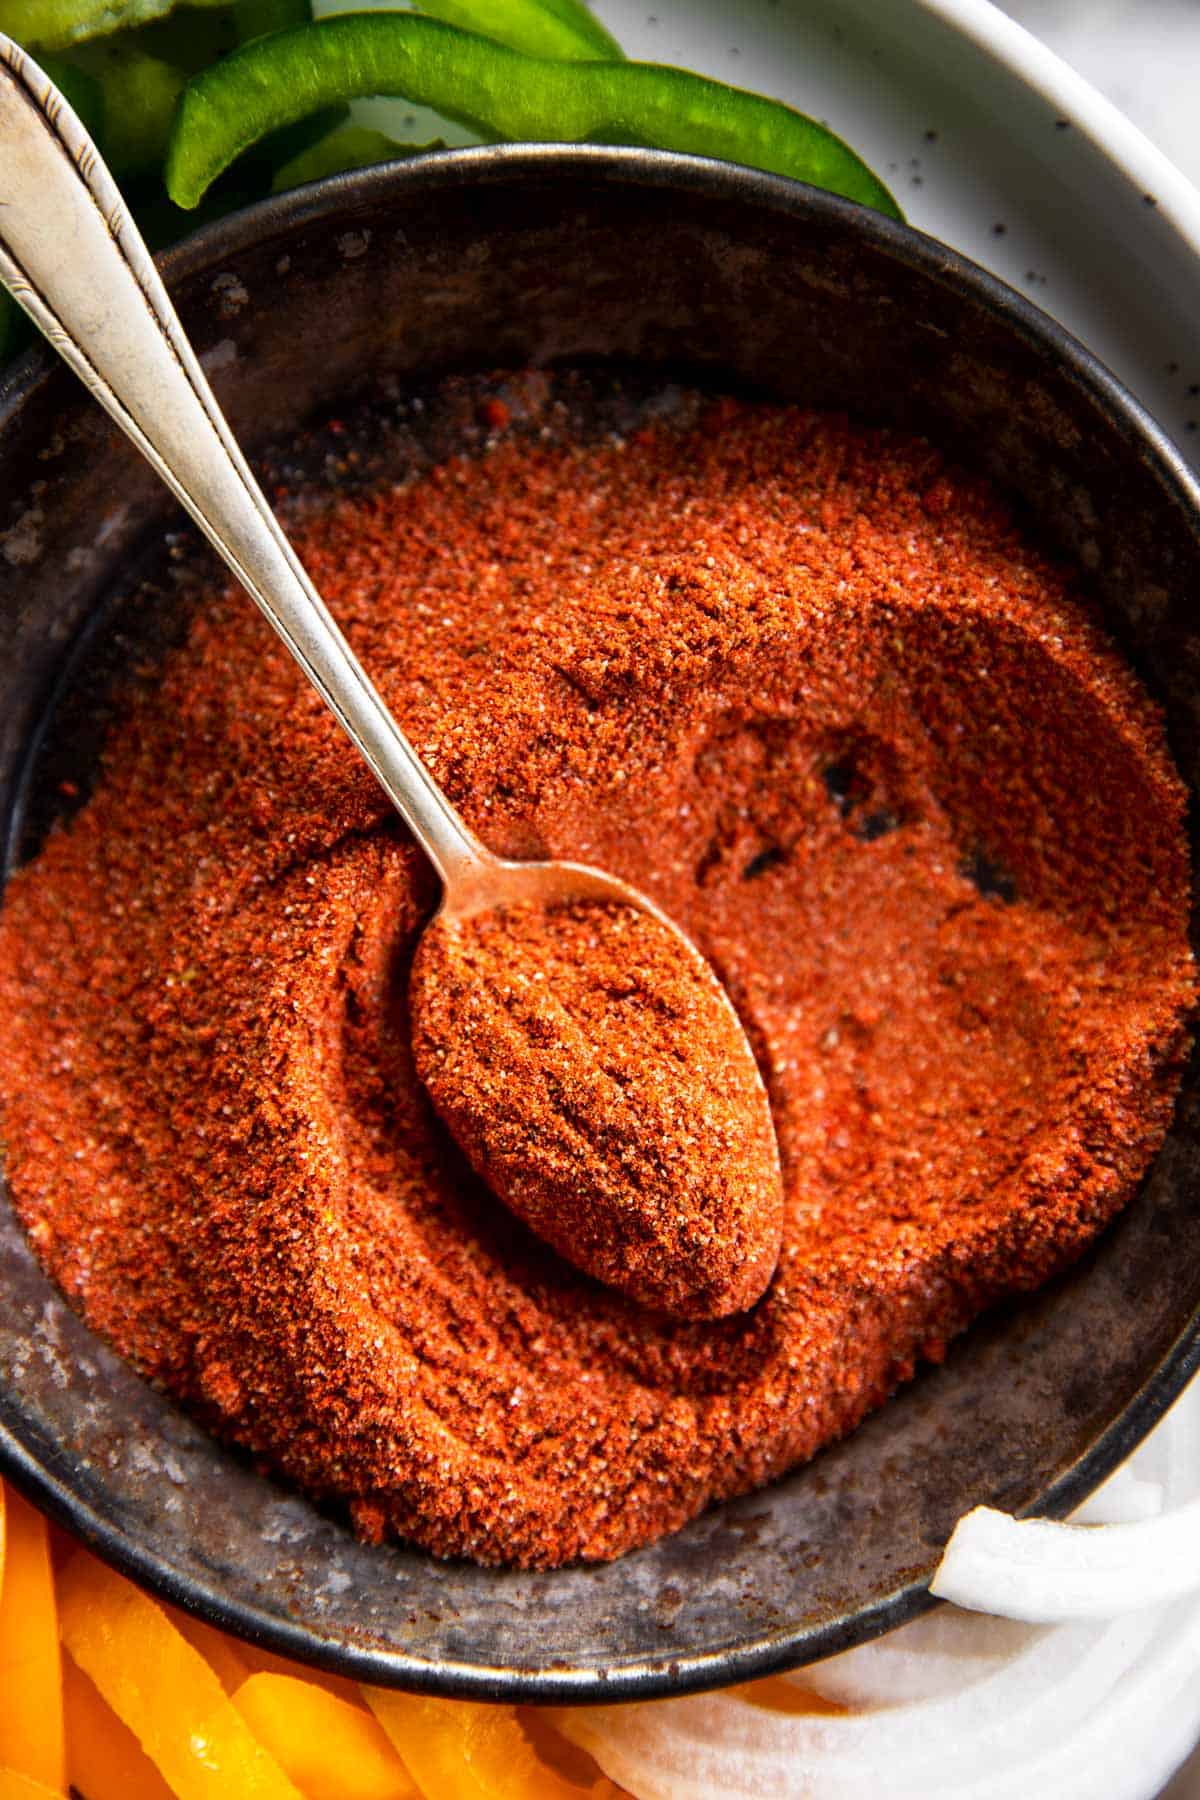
[507, 258]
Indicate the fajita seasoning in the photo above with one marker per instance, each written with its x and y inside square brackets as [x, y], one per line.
[813, 691]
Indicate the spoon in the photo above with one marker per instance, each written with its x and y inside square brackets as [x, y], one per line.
[644, 1201]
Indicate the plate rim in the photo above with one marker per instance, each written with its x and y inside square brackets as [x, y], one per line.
[1149, 170]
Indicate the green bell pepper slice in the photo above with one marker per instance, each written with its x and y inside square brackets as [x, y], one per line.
[498, 93]
[58, 24]
[81, 90]
[138, 93]
[562, 30]
[258, 18]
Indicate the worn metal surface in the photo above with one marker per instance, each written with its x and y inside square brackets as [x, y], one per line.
[502, 258]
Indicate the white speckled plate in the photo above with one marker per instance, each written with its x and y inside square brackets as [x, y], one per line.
[990, 142]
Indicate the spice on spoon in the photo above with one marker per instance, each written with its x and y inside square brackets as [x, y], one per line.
[598, 1081]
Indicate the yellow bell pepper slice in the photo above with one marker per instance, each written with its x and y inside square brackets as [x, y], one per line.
[232, 1660]
[104, 1759]
[331, 1750]
[163, 1689]
[221, 1653]
[31, 1714]
[265, 1662]
[23, 1787]
[461, 1750]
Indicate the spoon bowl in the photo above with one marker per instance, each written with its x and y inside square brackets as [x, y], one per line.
[587, 1059]
[501, 882]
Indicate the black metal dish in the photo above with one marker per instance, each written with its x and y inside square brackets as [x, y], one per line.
[502, 258]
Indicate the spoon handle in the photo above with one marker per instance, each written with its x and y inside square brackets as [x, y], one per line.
[72, 257]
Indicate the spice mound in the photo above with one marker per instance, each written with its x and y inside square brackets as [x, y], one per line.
[596, 1077]
[811, 691]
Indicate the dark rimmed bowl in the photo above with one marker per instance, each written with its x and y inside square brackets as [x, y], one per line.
[506, 257]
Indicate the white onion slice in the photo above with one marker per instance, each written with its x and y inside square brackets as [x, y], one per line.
[1125, 1497]
[938, 1654]
[956, 1706]
[1093, 1714]
[720, 1747]
[1043, 1572]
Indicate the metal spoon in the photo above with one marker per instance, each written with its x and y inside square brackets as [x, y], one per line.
[73, 259]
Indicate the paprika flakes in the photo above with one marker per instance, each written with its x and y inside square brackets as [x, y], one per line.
[810, 689]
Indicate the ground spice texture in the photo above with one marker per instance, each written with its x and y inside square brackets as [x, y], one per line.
[813, 693]
[598, 1080]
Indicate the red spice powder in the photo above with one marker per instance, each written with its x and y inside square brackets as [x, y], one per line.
[594, 1073]
[813, 693]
